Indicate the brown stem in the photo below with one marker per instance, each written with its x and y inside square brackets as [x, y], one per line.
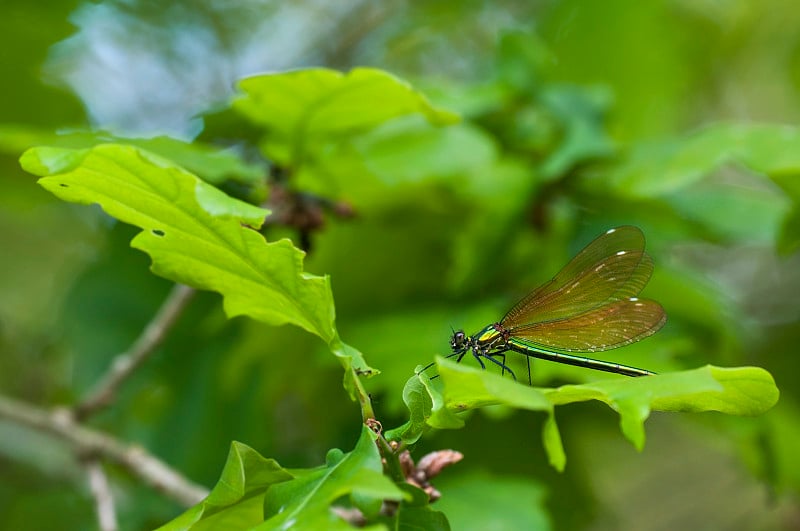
[89, 442]
[126, 363]
[101, 490]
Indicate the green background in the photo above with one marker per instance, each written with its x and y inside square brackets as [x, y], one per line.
[673, 116]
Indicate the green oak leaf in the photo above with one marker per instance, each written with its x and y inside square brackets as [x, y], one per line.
[307, 107]
[212, 164]
[305, 502]
[735, 391]
[467, 388]
[195, 234]
[236, 502]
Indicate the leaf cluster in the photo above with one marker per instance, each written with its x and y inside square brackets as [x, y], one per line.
[321, 126]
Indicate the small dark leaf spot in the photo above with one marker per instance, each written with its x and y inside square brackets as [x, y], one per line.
[158, 232]
[63, 185]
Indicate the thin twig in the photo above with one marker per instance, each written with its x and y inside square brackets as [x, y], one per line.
[126, 363]
[101, 490]
[89, 442]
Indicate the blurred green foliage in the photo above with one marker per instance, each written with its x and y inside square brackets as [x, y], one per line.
[678, 117]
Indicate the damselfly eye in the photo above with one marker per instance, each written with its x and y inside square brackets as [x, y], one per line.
[458, 339]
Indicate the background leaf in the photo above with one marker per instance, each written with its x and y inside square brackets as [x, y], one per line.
[316, 105]
[483, 500]
[209, 162]
[664, 167]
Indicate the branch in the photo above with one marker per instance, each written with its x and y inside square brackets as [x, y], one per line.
[89, 442]
[126, 363]
[101, 490]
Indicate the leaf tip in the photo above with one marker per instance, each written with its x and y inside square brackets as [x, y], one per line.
[43, 161]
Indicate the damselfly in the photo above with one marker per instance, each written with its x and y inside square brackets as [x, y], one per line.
[591, 305]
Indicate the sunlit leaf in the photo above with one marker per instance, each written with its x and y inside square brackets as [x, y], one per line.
[195, 234]
[210, 163]
[468, 388]
[735, 391]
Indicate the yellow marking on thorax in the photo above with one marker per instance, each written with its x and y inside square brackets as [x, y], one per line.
[488, 335]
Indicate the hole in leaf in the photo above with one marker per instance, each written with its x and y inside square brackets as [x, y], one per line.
[158, 232]
[64, 185]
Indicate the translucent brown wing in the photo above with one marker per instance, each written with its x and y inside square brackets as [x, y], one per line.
[613, 267]
[606, 327]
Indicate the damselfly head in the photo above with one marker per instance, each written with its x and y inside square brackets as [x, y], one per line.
[458, 341]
